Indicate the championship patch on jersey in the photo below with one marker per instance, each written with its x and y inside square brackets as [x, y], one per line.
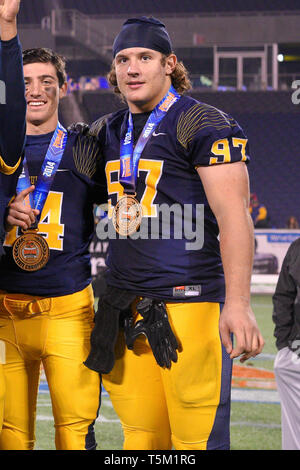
[186, 291]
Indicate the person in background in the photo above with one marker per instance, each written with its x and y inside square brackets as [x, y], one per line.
[292, 223]
[258, 212]
[286, 317]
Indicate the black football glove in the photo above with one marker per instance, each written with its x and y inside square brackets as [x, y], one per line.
[156, 327]
[111, 305]
[79, 128]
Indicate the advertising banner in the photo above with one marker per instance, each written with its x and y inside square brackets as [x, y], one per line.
[270, 249]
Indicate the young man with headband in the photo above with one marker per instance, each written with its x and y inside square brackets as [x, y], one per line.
[170, 155]
[46, 297]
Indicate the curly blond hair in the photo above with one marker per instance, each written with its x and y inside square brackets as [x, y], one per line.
[179, 77]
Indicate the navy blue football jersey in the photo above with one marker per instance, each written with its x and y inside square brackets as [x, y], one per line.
[12, 105]
[67, 220]
[175, 255]
[12, 115]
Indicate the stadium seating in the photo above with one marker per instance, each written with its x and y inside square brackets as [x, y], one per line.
[32, 12]
[270, 121]
[275, 151]
[109, 7]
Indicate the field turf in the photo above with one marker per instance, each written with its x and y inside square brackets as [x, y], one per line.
[255, 410]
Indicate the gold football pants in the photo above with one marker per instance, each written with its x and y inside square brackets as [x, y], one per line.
[2, 382]
[188, 406]
[54, 332]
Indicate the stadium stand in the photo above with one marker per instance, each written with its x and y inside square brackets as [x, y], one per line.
[270, 121]
[107, 7]
[268, 118]
[32, 12]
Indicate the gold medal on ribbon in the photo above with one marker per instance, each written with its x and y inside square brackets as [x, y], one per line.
[127, 215]
[31, 251]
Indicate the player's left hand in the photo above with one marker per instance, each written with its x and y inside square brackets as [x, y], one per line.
[239, 319]
[9, 10]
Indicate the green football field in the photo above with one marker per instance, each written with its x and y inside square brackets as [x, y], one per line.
[255, 417]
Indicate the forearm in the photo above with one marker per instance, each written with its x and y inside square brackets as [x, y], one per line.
[237, 251]
[227, 190]
[8, 29]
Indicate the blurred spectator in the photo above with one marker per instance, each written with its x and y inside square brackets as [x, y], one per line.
[87, 83]
[292, 222]
[258, 213]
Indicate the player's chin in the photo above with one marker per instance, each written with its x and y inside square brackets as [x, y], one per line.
[136, 95]
[37, 117]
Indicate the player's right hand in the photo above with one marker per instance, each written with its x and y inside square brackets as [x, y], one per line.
[21, 214]
[9, 10]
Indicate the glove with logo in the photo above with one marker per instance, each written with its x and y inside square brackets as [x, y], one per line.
[156, 327]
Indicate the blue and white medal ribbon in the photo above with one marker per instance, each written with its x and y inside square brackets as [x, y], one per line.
[128, 213]
[129, 156]
[30, 251]
[49, 167]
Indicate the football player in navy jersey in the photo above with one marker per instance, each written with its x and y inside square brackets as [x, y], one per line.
[12, 121]
[12, 98]
[171, 159]
[47, 303]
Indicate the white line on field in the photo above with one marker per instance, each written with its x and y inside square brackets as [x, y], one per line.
[100, 419]
[257, 396]
[257, 305]
[44, 418]
[256, 425]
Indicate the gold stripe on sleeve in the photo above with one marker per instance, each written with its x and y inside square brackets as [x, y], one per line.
[6, 169]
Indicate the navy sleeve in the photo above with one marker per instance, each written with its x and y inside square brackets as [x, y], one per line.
[210, 136]
[12, 105]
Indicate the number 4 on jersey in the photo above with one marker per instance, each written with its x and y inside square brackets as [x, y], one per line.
[50, 225]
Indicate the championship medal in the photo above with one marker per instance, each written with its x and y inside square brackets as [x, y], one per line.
[127, 215]
[31, 251]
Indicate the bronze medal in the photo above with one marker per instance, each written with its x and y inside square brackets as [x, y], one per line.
[127, 215]
[31, 251]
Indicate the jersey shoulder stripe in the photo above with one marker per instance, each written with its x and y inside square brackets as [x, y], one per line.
[200, 117]
[6, 169]
[86, 153]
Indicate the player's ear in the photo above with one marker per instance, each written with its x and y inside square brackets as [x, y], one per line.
[171, 62]
[63, 90]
